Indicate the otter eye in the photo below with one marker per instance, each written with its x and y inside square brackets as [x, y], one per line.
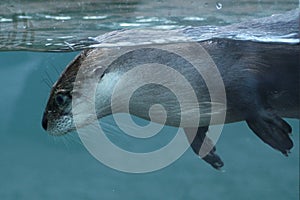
[61, 99]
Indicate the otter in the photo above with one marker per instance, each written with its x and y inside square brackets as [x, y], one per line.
[261, 82]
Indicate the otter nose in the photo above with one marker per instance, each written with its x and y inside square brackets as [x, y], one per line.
[45, 122]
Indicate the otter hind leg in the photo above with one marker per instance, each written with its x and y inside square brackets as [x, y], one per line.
[203, 146]
[272, 129]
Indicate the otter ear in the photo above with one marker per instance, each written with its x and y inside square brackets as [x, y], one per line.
[203, 146]
[272, 129]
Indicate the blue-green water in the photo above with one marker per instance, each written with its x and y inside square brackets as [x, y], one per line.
[34, 165]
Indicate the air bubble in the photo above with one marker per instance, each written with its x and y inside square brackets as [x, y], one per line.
[219, 5]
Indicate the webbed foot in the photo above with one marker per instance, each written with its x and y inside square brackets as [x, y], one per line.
[272, 129]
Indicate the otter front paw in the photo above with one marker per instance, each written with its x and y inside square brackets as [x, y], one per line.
[204, 147]
[213, 159]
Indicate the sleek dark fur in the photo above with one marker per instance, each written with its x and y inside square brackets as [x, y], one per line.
[262, 83]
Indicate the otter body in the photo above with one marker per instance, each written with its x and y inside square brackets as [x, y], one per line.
[267, 74]
[261, 82]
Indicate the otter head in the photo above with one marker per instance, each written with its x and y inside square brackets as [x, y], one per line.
[58, 117]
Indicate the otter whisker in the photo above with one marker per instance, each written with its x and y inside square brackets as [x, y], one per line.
[56, 70]
[73, 138]
[109, 129]
[44, 80]
[65, 141]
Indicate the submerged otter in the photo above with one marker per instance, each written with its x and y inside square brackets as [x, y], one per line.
[261, 81]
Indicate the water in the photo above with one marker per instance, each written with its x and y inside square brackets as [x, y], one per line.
[34, 165]
[54, 25]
